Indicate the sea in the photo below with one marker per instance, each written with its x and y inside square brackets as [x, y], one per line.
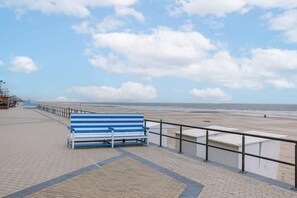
[268, 110]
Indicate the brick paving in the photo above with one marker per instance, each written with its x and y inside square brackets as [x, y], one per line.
[33, 150]
[217, 181]
[123, 178]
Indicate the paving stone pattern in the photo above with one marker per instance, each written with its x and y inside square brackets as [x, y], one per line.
[33, 151]
[123, 178]
[217, 181]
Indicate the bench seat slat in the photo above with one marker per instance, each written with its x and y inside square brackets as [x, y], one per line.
[105, 121]
[106, 131]
[107, 117]
[109, 136]
[106, 126]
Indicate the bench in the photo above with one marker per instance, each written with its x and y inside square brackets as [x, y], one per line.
[107, 129]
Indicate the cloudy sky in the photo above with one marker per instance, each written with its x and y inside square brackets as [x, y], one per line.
[229, 51]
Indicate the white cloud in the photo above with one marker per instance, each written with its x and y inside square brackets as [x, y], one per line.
[64, 99]
[146, 52]
[83, 28]
[282, 84]
[221, 8]
[286, 23]
[1, 63]
[268, 4]
[23, 64]
[217, 8]
[191, 56]
[109, 23]
[165, 52]
[187, 26]
[271, 66]
[126, 11]
[211, 94]
[79, 8]
[272, 59]
[129, 91]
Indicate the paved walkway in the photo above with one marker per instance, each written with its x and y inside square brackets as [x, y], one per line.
[35, 162]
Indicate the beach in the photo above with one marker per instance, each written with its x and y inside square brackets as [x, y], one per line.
[276, 125]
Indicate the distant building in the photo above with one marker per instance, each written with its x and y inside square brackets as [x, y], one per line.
[4, 102]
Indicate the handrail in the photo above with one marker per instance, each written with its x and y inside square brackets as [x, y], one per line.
[243, 153]
[224, 131]
[66, 112]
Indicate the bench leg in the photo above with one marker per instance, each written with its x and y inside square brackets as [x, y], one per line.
[112, 139]
[147, 140]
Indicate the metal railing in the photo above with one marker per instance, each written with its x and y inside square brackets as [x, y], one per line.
[66, 112]
[242, 152]
[61, 111]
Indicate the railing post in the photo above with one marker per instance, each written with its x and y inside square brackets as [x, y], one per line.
[295, 166]
[180, 139]
[161, 132]
[145, 127]
[206, 147]
[243, 154]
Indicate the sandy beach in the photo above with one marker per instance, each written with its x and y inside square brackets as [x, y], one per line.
[244, 123]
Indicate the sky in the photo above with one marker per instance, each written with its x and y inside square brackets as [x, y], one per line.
[192, 51]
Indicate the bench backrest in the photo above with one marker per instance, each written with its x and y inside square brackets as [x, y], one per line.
[102, 122]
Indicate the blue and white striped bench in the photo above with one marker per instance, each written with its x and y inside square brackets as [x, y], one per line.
[106, 128]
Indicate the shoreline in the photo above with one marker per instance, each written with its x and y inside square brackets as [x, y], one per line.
[260, 113]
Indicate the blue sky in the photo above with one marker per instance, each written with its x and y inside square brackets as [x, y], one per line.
[228, 51]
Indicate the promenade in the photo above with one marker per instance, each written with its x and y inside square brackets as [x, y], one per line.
[35, 162]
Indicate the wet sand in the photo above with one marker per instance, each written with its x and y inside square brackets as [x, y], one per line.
[244, 123]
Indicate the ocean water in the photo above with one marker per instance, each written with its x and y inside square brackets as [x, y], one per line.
[270, 110]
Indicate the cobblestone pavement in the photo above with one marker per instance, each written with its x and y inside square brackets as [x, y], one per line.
[33, 151]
